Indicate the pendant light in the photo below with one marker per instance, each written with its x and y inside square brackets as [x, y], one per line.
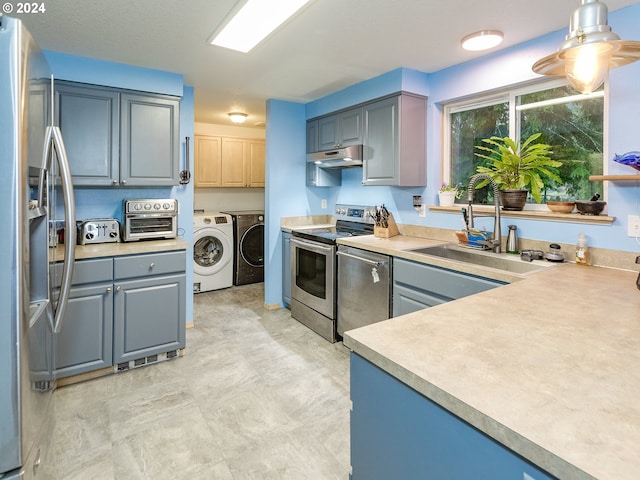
[590, 49]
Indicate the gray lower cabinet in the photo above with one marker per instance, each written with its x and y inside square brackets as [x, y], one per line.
[149, 305]
[395, 147]
[85, 340]
[118, 137]
[122, 309]
[417, 286]
[396, 432]
[286, 268]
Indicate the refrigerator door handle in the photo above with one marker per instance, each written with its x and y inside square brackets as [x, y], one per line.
[54, 142]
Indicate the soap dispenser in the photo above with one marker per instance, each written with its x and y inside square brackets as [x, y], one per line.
[582, 250]
[512, 240]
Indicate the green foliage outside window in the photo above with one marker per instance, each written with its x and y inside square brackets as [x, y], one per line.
[573, 129]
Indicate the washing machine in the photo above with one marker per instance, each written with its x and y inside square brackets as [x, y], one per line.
[213, 249]
[248, 238]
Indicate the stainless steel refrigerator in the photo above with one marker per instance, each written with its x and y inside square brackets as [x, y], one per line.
[34, 173]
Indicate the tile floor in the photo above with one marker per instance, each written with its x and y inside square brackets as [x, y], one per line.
[257, 396]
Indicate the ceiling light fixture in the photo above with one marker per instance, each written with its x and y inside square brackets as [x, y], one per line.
[482, 40]
[251, 21]
[590, 49]
[237, 117]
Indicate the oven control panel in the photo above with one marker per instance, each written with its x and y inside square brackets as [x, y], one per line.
[355, 213]
[154, 205]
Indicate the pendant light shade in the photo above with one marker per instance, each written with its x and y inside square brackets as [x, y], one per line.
[590, 49]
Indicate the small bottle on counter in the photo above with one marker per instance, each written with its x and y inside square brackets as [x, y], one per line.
[582, 250]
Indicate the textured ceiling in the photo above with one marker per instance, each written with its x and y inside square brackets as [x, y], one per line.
[327, 46]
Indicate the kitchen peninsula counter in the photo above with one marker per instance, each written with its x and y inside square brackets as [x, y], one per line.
[115, 249]
[548, 366]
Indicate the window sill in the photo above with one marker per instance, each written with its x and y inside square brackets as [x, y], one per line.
[532, 214]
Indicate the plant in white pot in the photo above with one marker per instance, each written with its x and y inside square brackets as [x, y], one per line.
[447, 195]
[515, 168]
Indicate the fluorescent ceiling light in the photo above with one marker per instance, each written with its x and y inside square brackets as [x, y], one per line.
[253, 22]
[482, 40]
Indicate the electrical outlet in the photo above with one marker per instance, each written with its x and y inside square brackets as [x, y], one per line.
[323, 203]
[422, 211]
[633, 225]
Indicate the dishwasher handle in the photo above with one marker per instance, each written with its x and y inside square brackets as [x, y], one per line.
[374, 263]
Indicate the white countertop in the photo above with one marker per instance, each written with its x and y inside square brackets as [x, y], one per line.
[549, 365]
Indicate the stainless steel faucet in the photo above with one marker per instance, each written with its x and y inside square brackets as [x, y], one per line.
[494, 243]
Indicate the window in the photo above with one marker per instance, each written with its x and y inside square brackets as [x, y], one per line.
[571, 123]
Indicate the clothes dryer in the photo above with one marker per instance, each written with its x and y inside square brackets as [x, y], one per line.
[248, 235]
[212, 251]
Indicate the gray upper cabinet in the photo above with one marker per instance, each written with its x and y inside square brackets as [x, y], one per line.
[337, 130]
[395, 141]
[119, 138]
[312, 136]
[89, 120]
[149, 152]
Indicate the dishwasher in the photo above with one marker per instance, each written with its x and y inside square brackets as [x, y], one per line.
[364, 288]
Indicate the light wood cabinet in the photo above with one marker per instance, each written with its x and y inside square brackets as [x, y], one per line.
[256, 154]
[229, 161]
[208, 161]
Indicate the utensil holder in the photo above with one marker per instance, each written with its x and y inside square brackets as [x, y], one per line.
[391, 230]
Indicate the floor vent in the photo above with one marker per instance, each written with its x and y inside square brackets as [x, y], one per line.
[141, 362]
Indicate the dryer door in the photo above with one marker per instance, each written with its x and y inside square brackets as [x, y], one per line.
[212, 250]
[252, 245]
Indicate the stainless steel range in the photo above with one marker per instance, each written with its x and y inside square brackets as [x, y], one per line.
[314, 268]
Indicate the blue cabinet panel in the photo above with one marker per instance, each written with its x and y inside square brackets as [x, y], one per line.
[396, 433]
[85, 340]
[149, 317]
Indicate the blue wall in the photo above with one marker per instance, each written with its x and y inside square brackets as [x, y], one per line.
[107, 202]
[285, 191]
[506, 67]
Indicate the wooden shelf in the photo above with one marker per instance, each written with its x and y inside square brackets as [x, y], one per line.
[531, 214]
[614, 178]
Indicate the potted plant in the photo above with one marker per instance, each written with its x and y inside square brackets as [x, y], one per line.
[447, 195]
[514, 168]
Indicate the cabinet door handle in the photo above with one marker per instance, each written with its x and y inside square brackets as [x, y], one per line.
[115, 182]
[152, 265]
[124, 182]
[118, 288]
[108, 289]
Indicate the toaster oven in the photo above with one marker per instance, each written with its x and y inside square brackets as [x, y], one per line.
[150, 219]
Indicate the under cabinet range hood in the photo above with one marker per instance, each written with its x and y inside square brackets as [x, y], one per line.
[343, 157]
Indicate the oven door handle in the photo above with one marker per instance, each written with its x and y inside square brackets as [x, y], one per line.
[362, 259]
[311, 246]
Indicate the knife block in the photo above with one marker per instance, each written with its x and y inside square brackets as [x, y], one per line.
[390, 231]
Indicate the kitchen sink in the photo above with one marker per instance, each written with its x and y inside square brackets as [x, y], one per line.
[501, 261]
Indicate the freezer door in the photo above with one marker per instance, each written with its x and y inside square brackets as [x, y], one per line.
[364, 288]
[26, 362]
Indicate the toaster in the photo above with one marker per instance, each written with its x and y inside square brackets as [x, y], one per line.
[98, 230]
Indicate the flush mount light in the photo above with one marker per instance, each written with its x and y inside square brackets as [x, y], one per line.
[482, 40]
[237, 117]
[251, 21]
[589, 50]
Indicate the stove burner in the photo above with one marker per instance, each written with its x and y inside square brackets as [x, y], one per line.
[343, 228]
